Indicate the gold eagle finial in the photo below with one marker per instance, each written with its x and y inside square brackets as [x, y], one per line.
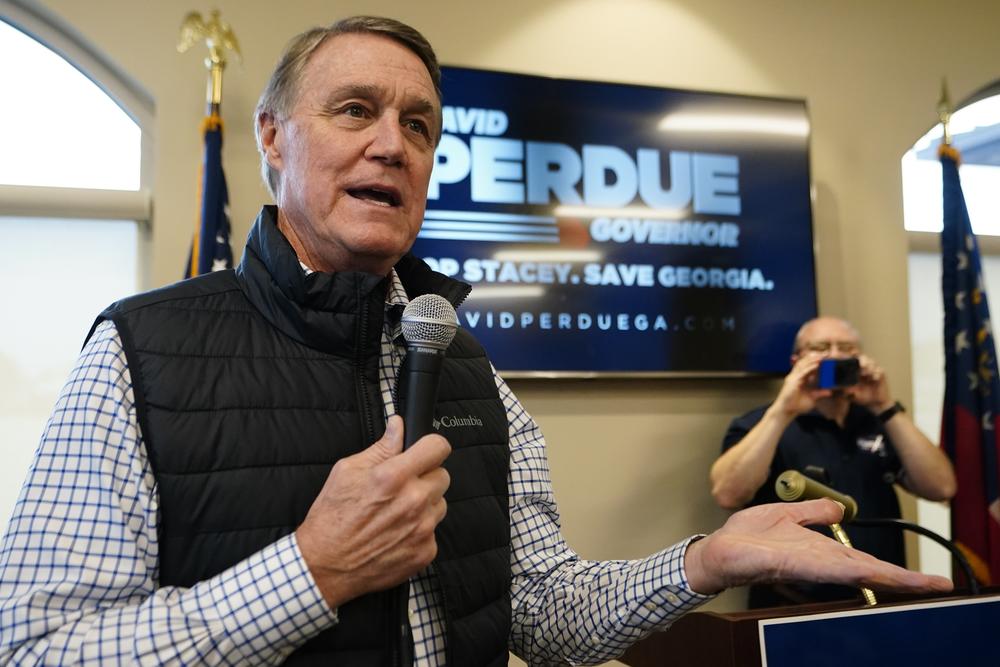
[218, 36]
[944, 111]
[216, 33]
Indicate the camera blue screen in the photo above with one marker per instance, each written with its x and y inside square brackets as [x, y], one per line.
[826, 377]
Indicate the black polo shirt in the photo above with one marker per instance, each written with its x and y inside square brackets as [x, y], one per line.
[858, 460]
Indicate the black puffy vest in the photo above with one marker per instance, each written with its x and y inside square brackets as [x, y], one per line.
[250, 384]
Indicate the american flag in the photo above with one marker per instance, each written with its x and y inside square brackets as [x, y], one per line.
[210, 249]
[972, 388]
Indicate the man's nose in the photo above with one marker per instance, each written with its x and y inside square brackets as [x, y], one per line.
[387, 142]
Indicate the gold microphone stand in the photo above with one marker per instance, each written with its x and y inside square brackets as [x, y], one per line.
[793, 485]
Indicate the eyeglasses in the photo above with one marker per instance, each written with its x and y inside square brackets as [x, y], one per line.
[823, 346]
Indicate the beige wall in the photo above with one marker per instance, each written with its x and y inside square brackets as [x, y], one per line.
[629, 458]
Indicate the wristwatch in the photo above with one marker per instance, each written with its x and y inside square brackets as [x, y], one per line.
[891, 412]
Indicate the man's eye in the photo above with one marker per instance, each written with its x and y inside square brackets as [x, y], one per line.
[417, 126]
[355, 111]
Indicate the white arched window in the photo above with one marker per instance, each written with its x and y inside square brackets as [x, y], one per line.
[975, 129]
[73, 209]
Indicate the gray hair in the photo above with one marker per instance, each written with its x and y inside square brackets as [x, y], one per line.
[282, 89]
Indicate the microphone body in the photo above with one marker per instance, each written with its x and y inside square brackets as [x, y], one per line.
[422, 377]
[429, 324]
[793, 485]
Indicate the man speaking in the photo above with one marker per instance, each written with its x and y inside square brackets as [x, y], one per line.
[224, 481]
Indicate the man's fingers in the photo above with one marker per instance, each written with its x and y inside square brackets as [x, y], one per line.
[804, 367]
[804, 374]
[810, 361]
[816, 394]
[426, 454]
[908, 580]
[870, 572]
[815, 512]
[389, 445]
[438, 481]
[870, 370]
[853, 567]
[440, 509]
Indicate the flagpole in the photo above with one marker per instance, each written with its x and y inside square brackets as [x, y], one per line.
[210, 249]
[944, 111]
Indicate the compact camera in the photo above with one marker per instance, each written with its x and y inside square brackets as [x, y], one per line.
[837, 373]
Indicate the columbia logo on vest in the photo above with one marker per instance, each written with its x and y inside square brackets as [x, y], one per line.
[453, 422]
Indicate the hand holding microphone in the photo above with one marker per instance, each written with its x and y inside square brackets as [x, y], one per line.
[372, 525]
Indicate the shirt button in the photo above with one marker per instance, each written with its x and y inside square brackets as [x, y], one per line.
[673, 599]
[651, 606]
[595, 640]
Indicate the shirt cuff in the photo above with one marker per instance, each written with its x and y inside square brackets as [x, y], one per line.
[663, 591]
[270, 602]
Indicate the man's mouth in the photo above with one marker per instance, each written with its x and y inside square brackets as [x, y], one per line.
[375, 195]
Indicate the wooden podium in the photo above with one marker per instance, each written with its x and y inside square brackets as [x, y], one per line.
[940, 631]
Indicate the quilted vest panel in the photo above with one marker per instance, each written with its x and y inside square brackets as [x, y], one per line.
[243, 419]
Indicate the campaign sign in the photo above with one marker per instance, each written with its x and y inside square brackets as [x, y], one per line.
[620, 229]
[953, 632]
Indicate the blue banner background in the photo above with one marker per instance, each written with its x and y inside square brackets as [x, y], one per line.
[702, 329]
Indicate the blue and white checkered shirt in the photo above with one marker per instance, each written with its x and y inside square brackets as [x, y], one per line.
[79, 560]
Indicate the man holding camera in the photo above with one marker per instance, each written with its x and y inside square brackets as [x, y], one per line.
[835, 420]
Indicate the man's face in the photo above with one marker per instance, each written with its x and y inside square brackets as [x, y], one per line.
[830, 337]
[355, 154]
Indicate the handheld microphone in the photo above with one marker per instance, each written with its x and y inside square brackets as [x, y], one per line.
[793, 485]
[429, 324]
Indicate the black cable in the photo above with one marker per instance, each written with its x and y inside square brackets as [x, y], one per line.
[947, 544]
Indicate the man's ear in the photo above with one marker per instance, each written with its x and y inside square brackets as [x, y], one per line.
[270, 139]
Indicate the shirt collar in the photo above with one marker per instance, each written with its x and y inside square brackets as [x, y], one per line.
[395, 301]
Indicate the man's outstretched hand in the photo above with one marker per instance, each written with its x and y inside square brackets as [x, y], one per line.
[769, 543]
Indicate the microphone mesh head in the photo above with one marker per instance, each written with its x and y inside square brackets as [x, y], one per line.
[429, 321]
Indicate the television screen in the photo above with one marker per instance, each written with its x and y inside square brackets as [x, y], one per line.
[612, 229]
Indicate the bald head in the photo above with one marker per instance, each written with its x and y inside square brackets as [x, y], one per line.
[828, 335]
